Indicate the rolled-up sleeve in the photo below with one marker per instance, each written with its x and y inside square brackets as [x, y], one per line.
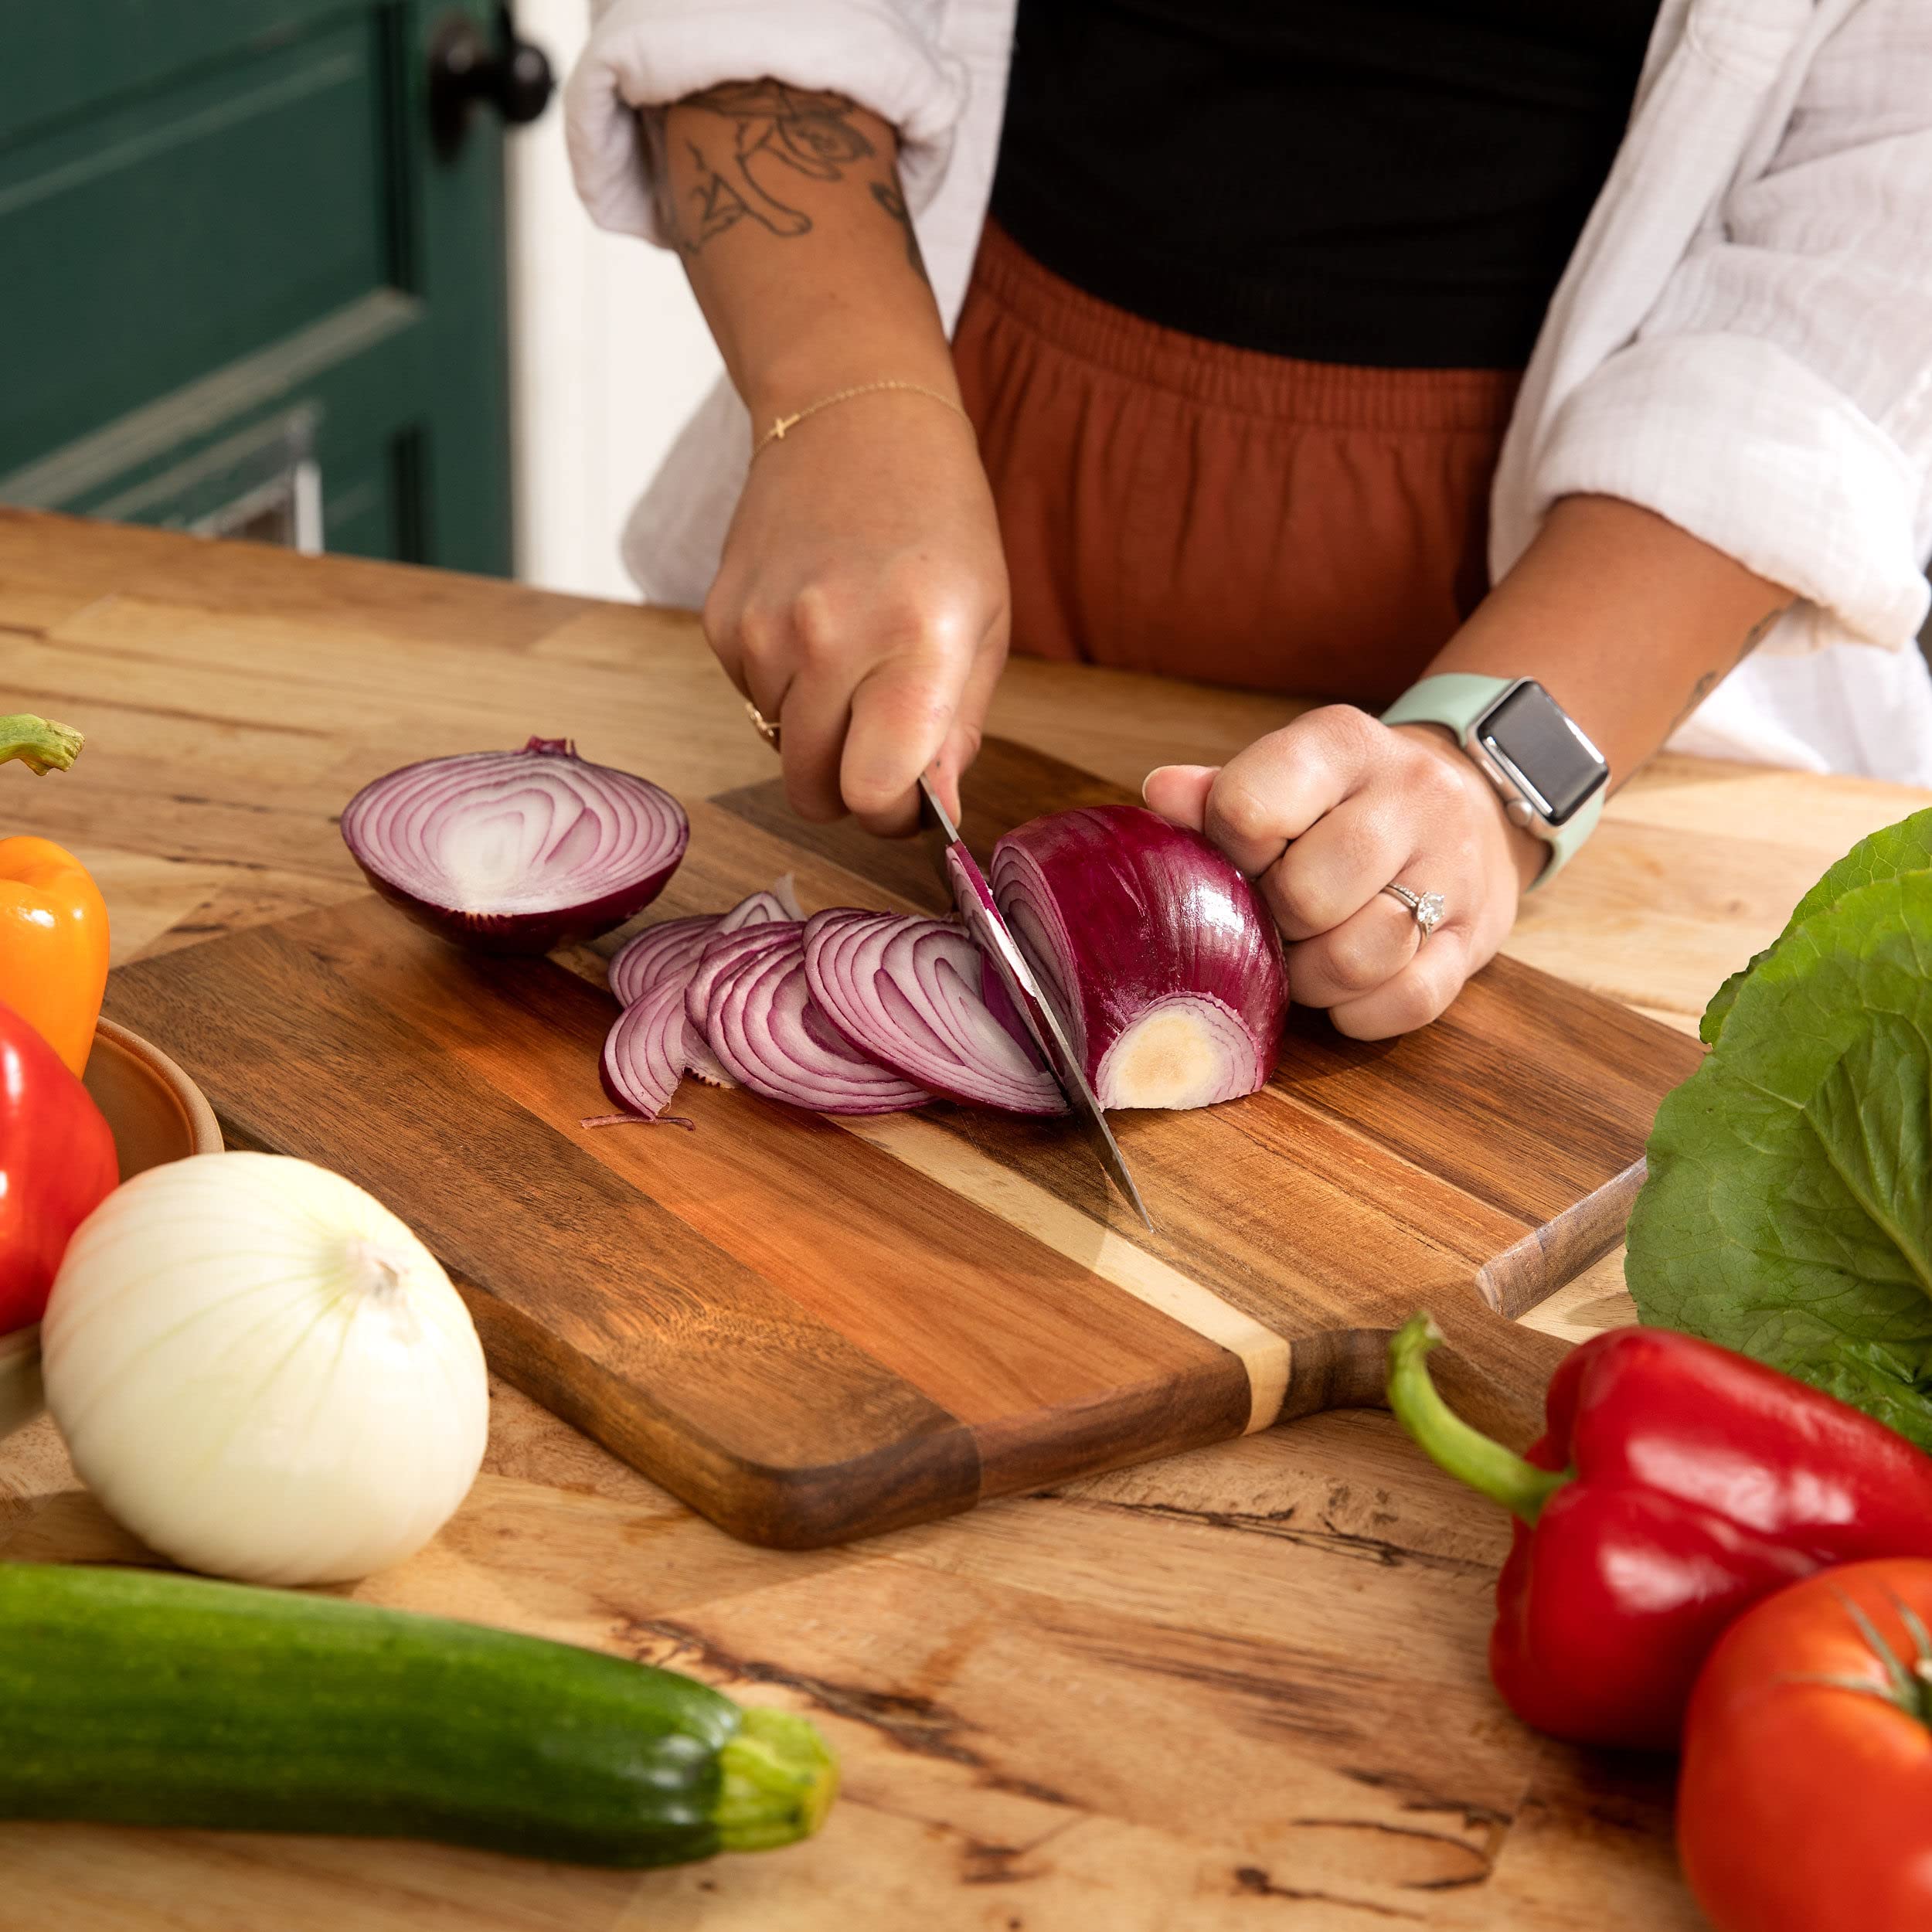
[1776, 401]
[644, 55]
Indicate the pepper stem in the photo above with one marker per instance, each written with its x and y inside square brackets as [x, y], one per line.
[1466, 1453]
[40, 744]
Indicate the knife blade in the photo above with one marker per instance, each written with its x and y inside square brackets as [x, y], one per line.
[959, 871]
[973, 897]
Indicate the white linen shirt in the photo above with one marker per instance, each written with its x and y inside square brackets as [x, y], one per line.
[1742, 341]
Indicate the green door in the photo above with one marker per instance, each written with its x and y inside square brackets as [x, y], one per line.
[246, 290]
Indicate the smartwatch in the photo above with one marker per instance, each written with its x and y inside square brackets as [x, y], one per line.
[1554, 781]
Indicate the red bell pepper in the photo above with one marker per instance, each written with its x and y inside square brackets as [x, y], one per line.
[1676, 1484]
[57, 1164]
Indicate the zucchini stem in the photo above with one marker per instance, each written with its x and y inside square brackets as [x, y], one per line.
[779, 1779]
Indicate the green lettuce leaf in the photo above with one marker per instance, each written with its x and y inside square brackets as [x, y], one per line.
[1788, 1209]
[1905, 847]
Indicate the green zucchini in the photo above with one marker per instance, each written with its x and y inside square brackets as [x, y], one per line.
[131, 1697]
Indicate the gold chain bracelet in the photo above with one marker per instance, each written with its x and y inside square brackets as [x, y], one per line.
[782, 425]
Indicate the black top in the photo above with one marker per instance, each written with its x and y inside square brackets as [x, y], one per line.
[1396, 182]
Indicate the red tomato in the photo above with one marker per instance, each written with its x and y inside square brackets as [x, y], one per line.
[1805, 1803]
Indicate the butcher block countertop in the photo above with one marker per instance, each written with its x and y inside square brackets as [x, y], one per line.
[1243, 1687]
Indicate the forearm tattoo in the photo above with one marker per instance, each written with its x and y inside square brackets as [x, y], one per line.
[738, 173]
[1712, 679]
[887, 194]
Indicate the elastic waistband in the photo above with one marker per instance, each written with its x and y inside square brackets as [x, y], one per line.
[1333, 395]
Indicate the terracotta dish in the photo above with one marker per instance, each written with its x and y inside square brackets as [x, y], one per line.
[157, 1114]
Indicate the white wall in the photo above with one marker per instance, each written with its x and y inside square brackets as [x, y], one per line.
[608, 352]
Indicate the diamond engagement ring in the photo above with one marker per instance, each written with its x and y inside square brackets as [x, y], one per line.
[1428, 908]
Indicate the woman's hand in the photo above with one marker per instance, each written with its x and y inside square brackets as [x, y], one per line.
[1325, 812]
[862, 604]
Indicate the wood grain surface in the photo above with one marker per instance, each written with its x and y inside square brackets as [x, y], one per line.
[1239, 1689]
[810, 1339]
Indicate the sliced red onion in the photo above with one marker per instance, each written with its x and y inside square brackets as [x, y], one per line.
[516, 851]
[660, 953]
[644, 1054]
[700, 1062]
[769, 1037]
[1159, 956]
[761, 908]
[721, 955]
[906, 992]
[722, 951]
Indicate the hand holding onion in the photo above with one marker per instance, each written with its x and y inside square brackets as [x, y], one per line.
[1325, 812]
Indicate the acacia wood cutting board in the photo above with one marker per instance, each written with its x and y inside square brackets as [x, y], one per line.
[813, 1330]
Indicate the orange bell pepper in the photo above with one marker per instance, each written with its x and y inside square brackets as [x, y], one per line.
[53, 944]
[53, 924]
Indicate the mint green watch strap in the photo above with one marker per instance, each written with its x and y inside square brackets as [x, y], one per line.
[1458, 700]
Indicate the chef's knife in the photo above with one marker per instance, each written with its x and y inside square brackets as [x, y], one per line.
[974, 896]
[960, 871]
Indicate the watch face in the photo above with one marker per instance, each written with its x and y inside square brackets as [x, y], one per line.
[1534, 740]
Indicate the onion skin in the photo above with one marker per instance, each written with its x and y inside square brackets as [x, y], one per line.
[1124, 917]
[376, 830]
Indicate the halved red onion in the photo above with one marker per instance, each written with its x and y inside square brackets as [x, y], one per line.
[769, 1037]
[658, 954]
[1159, 956]
[644, 1053]
[516, 851]
[906, 992]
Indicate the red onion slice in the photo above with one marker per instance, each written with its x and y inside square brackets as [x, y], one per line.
[644, 1053]
[760, 913]
[1158, 955]
[761, 908]
[659, 953]
[906, 992]
[700, 1062]
[721, 955]
[768, 1035]
[516, 851]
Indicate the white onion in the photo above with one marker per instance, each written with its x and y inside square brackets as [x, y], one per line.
[262, 1372]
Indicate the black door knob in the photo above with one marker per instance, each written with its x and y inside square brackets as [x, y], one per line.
[513, 76]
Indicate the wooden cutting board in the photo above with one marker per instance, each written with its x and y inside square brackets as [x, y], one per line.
[814, 1330]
